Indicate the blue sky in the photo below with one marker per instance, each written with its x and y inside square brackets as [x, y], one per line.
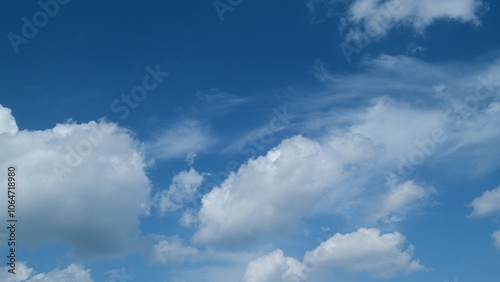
[233, 140]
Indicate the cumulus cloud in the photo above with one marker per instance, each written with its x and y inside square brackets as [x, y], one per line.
[365, 250]
[496, 239]
[172, 251]
[400, 199]
[274, 267]
[268, 194]
[83, 186]
[182, 190]
[73, 272]
[378, 17]
[487, 204]
[7, 122]
[386, 130]
[22, 273]
[186, 137]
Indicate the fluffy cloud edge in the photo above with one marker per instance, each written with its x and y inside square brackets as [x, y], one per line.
[486, 204]
[365, 250]
[95, 216]
[74, 272]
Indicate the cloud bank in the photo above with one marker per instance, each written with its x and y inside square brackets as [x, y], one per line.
[80, 185]
[365, 250]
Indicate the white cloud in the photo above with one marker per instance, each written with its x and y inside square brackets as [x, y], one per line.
[365, 250]
[7, 122]
[268, 194]
[378, 17]
[274, 267]
[396, 125]
[183, 188]
[496, 239]
[398, 102]
[73, 272]
[486, 204]
[184, 138]
[172, 251]
[396, 116]
[76, 273]
[400, 199]
[22, 273]
[81, 185]
[356, 148]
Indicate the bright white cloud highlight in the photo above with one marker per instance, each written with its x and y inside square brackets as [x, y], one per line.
[268, 194]
[7, 122]
[365, 250]
[486, 204]
[182, 190]
[274, 267]
[83, 186]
